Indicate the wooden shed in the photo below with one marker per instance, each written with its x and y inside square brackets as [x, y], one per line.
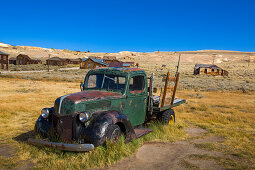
[3, 61]
[90, 63]
[56, 61]
[209, 69]
[75, 61]
[12, 60]
[22, 59]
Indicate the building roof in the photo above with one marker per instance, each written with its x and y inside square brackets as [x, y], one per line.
[100, 61]
[3, 53]
[206, 66]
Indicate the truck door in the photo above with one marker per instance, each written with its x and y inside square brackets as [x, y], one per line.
[136, 99]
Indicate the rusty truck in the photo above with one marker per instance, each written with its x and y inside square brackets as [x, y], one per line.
[113, 101]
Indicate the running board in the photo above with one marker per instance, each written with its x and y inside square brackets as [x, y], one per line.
[139, 132]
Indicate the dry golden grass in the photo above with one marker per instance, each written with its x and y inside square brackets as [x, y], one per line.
[228, 114]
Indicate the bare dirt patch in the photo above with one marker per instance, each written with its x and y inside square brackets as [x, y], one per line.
[209, 139]
[7, 151]
[172, 155]
[195, 131]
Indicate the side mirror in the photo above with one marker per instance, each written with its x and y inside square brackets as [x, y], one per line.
[81, 86]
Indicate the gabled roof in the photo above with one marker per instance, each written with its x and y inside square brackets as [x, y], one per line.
[206, 66]
[3, 53]
[100, 61]
[25, 56]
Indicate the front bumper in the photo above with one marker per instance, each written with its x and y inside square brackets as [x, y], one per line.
[62, 146]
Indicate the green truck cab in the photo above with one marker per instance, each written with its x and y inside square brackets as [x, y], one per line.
[112, 101]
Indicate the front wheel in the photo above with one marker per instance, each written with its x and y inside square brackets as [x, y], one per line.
[113, 133]
[167, 117]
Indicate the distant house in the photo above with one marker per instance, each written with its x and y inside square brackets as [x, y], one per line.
[75, 61]
[23, 59]
[90, 63]
[116, 64]
[109, 59]
[56, 61]
[122, 64]
[209, 69]
[128, 64]
[4, 60]
[12, 60]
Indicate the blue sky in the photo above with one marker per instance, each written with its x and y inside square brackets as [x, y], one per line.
[130, 25]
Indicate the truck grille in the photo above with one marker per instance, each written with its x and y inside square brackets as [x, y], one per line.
[63, 127]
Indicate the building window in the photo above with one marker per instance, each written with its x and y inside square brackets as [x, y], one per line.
[205, 71]
[212, 70]
[88, 65]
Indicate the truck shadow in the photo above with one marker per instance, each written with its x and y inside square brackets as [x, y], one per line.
[24, 136]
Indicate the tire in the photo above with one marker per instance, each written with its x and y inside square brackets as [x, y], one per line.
[113, 133]
[167, 117]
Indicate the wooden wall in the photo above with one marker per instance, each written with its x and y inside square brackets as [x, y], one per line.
[3, 62]
[89, 64]
[214, 72]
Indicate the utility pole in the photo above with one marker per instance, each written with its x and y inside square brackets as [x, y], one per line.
[249, 59]
[213, 56]
[49, 64]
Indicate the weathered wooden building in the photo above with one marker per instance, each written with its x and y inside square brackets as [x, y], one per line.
[23, 59]
[56, 61]
[75, 61]
[90, 63]
[209, 69]
[128, 64]
[121, 64]
[3, 61]
[109, 59]
[12, 60]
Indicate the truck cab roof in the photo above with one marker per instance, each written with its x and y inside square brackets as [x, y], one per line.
[116, 70]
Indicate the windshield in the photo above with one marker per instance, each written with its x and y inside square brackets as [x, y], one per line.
[106, 82]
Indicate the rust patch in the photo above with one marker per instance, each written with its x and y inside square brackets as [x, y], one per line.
[91, 95]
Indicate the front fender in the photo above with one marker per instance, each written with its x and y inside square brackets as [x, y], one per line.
[42, 127]
[99, 124]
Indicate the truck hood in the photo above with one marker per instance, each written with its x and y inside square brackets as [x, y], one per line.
[90, 95]
[71, 103]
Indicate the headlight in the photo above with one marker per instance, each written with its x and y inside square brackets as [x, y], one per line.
[84, 117]
[45, 113]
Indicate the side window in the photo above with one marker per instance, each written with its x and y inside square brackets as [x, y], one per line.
[136, 84]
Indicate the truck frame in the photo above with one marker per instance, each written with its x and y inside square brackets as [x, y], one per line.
[112, 101]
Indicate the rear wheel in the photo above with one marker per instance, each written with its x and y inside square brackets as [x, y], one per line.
[167, 117]
[113, 133]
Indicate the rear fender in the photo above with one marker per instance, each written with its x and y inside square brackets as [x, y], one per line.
[99, 124]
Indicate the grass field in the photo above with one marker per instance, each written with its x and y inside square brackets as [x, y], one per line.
[229, 114]
[241, 77]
